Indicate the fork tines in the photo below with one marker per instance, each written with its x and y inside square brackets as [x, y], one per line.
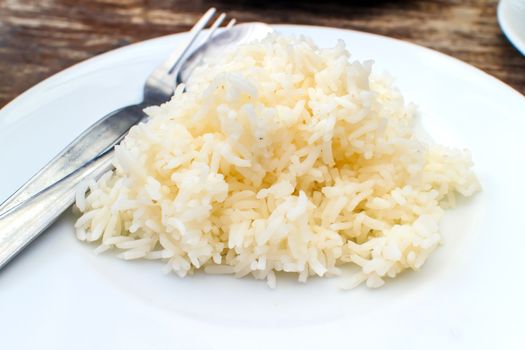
[196, 31]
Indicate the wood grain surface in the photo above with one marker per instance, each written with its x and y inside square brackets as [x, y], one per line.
[41, 37]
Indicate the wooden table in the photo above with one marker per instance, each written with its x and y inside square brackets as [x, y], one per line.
[41, 37]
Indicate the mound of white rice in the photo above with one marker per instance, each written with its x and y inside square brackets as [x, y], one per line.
[279, 156]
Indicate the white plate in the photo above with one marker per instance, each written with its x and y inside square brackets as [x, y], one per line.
[470, 294]
[511, 18]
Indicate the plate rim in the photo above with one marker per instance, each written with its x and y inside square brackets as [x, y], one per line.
[509, 33]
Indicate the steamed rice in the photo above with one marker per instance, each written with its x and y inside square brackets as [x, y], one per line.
[279, 156]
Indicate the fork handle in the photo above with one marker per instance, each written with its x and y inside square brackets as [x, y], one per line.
[99, 137]
[23, 223]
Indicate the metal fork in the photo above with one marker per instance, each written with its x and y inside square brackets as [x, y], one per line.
[110, 130]
[24, 215]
